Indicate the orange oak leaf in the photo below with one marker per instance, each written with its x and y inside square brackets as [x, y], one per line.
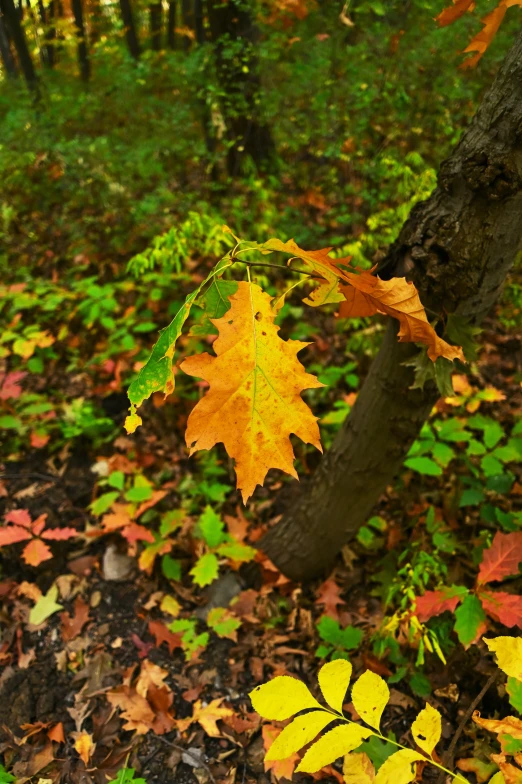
[135, 710]
[254, 402]
[150, 675]
[482, 40]
[368, 294]
[161, 634]
[502, 559]
[454, 12]
[503, 607]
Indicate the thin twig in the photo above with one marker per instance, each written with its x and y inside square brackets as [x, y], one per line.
[32, 475]
[189, 753]
[275, 266]
[448, 757]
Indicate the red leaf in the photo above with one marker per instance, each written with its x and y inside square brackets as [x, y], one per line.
[136, 532]
[73, 625]
[436, 602]
[505, 608]
[329, 597]
[36, 552]
[19, 517]
[9, 387]
[502, 559]
[12, 533]
[161, 634]
[38, 525]
[38, 440]
[59, 534]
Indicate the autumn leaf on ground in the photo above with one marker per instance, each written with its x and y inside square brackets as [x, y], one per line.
[73, 625]
[150, 675]
[502, 559]
[504, 607]
[433, 603]
[254, 402]
[162, 635]
[280, 768]
[21, 528]
[45, 606]
[329, 596]
[207, 716]
[84, 745]
[509, 725]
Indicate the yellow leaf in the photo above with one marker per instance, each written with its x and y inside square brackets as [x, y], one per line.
[150, 675]
[498, 778]
[254, 402]
[297, 734]
[281, 697]
[509, 725]
[334, 678]
[132, 422]
[334, 744]
[171, 606]
[399, 768]
[427, 729]
[84, 745]
[370, 695]
[358, 769]
[508, 651]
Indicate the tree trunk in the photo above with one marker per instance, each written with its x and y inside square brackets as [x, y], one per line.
[155, 26]
[8, 61]
[15, 29]
[47, 20]
[171, 25]
[83, 55]
[457, 247]
[187, 15]
[130, 29]
[198, 22]
[232, 23]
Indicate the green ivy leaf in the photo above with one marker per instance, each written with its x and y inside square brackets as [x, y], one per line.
[205, 570]
[212, 527]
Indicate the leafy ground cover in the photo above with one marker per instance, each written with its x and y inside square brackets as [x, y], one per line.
[137, 612]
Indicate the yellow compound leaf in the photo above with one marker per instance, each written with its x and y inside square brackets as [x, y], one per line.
[399, 768]
[498, 778]
[370, 695]
[427, 729]
[358, 769]
[508, 651]
[281, 697]
[254, 402]
[334, 678]
[297, 734]
[334, 744]
[509, 725]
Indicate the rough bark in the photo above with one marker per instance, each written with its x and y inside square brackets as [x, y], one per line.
[12, 18]
[457, 246]
[155, 26]
[8, 61]
[83, 54]
[130, 28]
[231, 23]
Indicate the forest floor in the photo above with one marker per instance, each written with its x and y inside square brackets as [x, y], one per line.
[94, 680]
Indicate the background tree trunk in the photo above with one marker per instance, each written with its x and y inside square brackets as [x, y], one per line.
[83, 54]
[8, 61]
[230, 23]
[130, 28]
[457, 246]
[199, 22]
[171, 24]
[155, 26]
[16, 33]
[187, 16]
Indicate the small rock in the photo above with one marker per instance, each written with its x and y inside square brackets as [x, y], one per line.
[116, 566]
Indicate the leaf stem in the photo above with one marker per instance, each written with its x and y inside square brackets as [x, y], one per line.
[275, 266]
